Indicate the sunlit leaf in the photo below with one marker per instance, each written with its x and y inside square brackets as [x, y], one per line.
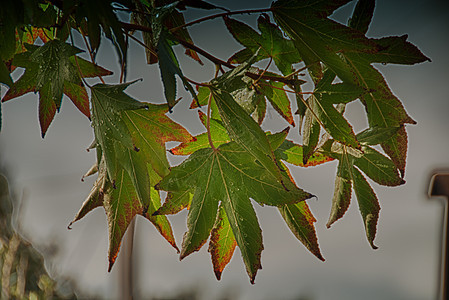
[231, 175]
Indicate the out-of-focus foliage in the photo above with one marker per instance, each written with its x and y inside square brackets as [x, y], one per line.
[23, 272]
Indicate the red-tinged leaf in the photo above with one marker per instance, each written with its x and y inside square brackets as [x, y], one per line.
[396, 148]
[368, 205]
[150, 129]
[342, 194]
[278, 99]
[218, 134]
[47, 108]
[231, 175]
[376, 135]
[222, 243]
[22, 86]
[318, 38]
[159, 221]
[53, 67]
[383, 108]
[396, 50]
[95, 197]
[130, 140]
[373, 164]
[121, 204]
[378, 167]
[300, 220]
[78, 95]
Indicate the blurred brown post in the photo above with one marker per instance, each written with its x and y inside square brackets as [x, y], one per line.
[439, 187]
[126, 266]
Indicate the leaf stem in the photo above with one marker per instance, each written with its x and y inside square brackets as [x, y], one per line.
[139, 42]
[90, 53]
[196, 82]
[264, 71]
[285, 90]
[229, 13]
[77, 64]
[209, 136]
[123, 65]
[215, 60]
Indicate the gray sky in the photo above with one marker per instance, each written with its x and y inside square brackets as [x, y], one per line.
[404, 266]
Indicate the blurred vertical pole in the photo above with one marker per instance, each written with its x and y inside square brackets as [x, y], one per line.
[126, 265]
[439, 187]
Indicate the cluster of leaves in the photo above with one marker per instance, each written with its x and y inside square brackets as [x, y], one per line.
[23, 273]
[235, 160]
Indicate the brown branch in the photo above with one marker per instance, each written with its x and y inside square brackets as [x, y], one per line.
[91, 57]
[215, 60]
[229, 13]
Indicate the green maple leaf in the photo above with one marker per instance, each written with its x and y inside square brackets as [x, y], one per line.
[51, 70]
[241, 127]
[319, 39]
[321, 111]
[383, 108]
[169, 67]
[375, 165]
[271, 42]
[230, 175]
[87, 12]
[130, 141]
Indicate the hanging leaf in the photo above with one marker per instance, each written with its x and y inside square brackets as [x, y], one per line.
[231, 175]
[271, 42]
[276, 95]
[375, 165]
[51, 70]
[169, 67]
[130, 138]
[362, 15]
[318, 38]
[222, 242]
[106, 21]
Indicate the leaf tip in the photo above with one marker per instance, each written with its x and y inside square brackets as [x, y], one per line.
[111, 263]
[217, 274]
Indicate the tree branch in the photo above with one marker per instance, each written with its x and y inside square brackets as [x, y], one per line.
[229, 13]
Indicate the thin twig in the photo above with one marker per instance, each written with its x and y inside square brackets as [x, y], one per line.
[288, 91]
[78, 65]
[123, 66]
[264, 71]
[90, 54]
[215, 60]
[237, 12]
[196, 83]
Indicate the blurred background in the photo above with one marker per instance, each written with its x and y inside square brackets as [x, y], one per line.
[44, 176]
